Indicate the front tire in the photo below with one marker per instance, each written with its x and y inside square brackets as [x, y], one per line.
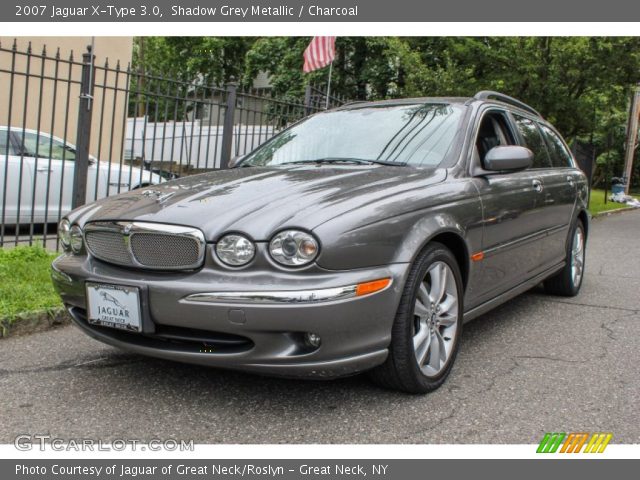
[568, 281]
[428, 325]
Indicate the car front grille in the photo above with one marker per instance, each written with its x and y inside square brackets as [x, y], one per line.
[146, 245]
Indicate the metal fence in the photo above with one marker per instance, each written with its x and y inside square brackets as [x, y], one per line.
[73, 132]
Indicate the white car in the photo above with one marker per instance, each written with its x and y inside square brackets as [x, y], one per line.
[36, 177]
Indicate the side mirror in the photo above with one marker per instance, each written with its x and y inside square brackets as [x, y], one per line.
[508, 158]
[234, 161]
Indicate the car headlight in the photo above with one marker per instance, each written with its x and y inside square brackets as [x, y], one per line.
[64, 233]
[235, 250]
[76, 240]
[293, 248]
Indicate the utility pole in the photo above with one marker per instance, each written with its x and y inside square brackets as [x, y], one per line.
[632, 137]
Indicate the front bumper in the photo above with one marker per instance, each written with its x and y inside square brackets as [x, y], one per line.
[259, 336]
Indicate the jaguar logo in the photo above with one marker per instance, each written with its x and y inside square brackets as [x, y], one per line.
[157, 195]
[112, 299]
[127, 229]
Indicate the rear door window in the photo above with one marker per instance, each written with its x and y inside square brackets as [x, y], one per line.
[533, 141]
[560, 156]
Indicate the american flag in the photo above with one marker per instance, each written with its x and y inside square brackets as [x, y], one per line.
[320, 53]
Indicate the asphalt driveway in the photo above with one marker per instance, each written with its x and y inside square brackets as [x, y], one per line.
[536, 364]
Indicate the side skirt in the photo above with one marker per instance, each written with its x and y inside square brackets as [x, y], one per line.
[509, 294]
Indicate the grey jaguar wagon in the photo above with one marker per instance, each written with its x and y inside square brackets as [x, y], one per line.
[359, 239]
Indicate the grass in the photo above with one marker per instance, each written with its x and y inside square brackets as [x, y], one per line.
[597, 205]
[25, 283]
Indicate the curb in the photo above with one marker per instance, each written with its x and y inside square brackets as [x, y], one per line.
[616, 211]
[34, 322]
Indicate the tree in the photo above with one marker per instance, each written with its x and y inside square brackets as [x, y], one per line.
[580, 84]
[210, 60]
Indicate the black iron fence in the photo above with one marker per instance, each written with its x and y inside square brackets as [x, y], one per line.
[72, 132]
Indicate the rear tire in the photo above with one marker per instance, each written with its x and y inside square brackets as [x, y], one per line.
[568, 281]
[428, 325]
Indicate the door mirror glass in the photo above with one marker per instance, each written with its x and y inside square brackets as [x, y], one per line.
[508, 158]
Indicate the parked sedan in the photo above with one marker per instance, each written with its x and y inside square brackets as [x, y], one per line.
[359, 239]
[36, 177]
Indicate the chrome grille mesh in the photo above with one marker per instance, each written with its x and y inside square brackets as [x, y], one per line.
[108, 246]
[146, 245]
[164, 251]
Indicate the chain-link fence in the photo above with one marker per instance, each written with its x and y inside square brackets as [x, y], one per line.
[73, 132]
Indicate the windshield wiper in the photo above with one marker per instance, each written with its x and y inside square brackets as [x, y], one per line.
[359, 161]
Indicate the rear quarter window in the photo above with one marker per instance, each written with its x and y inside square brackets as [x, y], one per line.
[533, 141]
[560, 156]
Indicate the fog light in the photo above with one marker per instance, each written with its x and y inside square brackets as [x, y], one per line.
[312, 339]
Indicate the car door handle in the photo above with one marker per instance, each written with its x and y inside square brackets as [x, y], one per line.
[537, 185]
[570, 180]
[44, 169]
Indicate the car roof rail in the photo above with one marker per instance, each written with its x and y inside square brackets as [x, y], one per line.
[501, 97]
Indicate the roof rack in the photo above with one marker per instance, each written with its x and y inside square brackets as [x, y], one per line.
[501, 97]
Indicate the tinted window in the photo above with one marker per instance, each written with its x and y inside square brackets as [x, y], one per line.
[45, 147]
[560, 157]
[4, 140]
[420, 135]
[533, 141]
[493, 132]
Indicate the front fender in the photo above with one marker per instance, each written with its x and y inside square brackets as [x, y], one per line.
[396, 231]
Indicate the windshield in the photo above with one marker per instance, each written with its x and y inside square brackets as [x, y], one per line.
[418, 135]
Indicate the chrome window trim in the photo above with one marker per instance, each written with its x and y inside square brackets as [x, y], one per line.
[128, 229]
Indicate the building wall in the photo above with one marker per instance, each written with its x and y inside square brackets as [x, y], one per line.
[51, 105]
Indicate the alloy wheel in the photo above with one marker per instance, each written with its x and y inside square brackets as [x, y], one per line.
[577, 256]
[435, 319]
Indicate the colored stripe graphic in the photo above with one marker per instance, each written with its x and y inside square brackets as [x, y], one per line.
[581, 443]
[573, 442]
[544, 441]
[550, 442]
[598, 443]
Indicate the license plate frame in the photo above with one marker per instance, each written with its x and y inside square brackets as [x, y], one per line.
[114, 306]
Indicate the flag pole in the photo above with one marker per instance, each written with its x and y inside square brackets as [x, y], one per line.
[326, 107]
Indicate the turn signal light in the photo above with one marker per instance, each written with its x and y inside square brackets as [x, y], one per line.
[372, 287]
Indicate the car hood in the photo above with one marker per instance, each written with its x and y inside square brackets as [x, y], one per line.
[125, 175]
[259, 201]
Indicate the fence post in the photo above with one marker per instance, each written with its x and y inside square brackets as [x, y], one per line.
[83, 136]
[307, 100]
[227, 128]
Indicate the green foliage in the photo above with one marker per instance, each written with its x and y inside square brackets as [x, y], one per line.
[25, 283]
[581, 84]
[212, 60]
[597, 205]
